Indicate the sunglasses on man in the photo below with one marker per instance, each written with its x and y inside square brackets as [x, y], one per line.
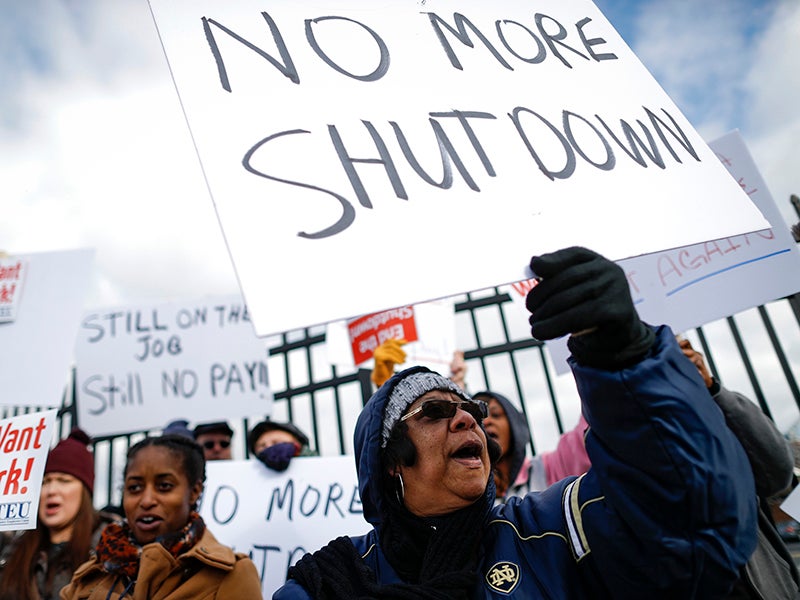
[209, 444]
[446, 409]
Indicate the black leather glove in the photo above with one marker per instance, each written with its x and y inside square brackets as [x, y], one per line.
[277, 457]
[586, 295]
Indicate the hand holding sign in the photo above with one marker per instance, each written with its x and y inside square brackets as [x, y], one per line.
[584, 294]
[458, 369]
[386, 356]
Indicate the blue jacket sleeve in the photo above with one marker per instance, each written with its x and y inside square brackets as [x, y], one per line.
[668, 509]
[291, 590]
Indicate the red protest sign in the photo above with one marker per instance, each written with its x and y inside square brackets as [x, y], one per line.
[369, 331]
[12, 275]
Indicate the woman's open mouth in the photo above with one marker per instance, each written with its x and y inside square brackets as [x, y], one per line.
[148, 522]
[469, 454]
[52, 508]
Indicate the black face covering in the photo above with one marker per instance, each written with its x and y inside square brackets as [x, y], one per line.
[278, 456]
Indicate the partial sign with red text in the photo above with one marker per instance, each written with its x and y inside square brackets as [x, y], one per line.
[690, 286]
[370, 331]
[12, 276]
[24, 444]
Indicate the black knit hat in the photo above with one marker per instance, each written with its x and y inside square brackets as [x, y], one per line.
[265, 426]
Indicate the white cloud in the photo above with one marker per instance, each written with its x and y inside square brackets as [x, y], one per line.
[773, 90]
[694, 51]
[732, 65]
[103, 158]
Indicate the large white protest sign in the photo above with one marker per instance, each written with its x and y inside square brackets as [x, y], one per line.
[277, 517]
[367, 154]
[140, 367]
[689, 287]
[38, 343]
[24, 444]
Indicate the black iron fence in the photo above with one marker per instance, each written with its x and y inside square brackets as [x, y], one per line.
[500, 354]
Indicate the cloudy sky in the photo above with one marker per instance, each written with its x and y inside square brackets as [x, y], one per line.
[94, 150]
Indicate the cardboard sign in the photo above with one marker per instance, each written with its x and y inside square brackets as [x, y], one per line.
[12, 277]
[370, 331]
[277, 517]
[38, 344]
[689, 287]
[24, 444]
[389, 153]
[141, 367]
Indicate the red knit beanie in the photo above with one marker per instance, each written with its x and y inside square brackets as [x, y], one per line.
[72, 456]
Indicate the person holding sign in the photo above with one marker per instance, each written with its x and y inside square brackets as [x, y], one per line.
[163, 548]
[667, 510]
[515, 474]
[39, 562]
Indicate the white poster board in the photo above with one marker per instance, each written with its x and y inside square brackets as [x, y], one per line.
[277, 517]
[716, 279]
[368, 154]
[24, 444]
[689, 287]
[38, 344]
[791, 505]
[141, 367]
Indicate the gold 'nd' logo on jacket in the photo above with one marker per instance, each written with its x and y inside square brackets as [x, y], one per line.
[503, 577]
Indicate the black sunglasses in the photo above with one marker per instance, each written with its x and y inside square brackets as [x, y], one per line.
[209, 444]
[446, 409]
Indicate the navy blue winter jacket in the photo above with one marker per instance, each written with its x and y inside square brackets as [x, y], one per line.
[668, 509]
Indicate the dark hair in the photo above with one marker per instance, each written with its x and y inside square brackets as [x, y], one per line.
[18, 579]
[399, 450]
[190, 453]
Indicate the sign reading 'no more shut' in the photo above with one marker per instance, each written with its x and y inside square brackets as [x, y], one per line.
[341, 140]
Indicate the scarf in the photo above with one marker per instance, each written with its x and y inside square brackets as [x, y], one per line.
[119, 552]
[438, 557]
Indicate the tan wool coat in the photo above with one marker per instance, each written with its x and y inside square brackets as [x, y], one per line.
[209, 570]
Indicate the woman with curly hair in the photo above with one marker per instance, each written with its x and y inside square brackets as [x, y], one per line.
[163, 549]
